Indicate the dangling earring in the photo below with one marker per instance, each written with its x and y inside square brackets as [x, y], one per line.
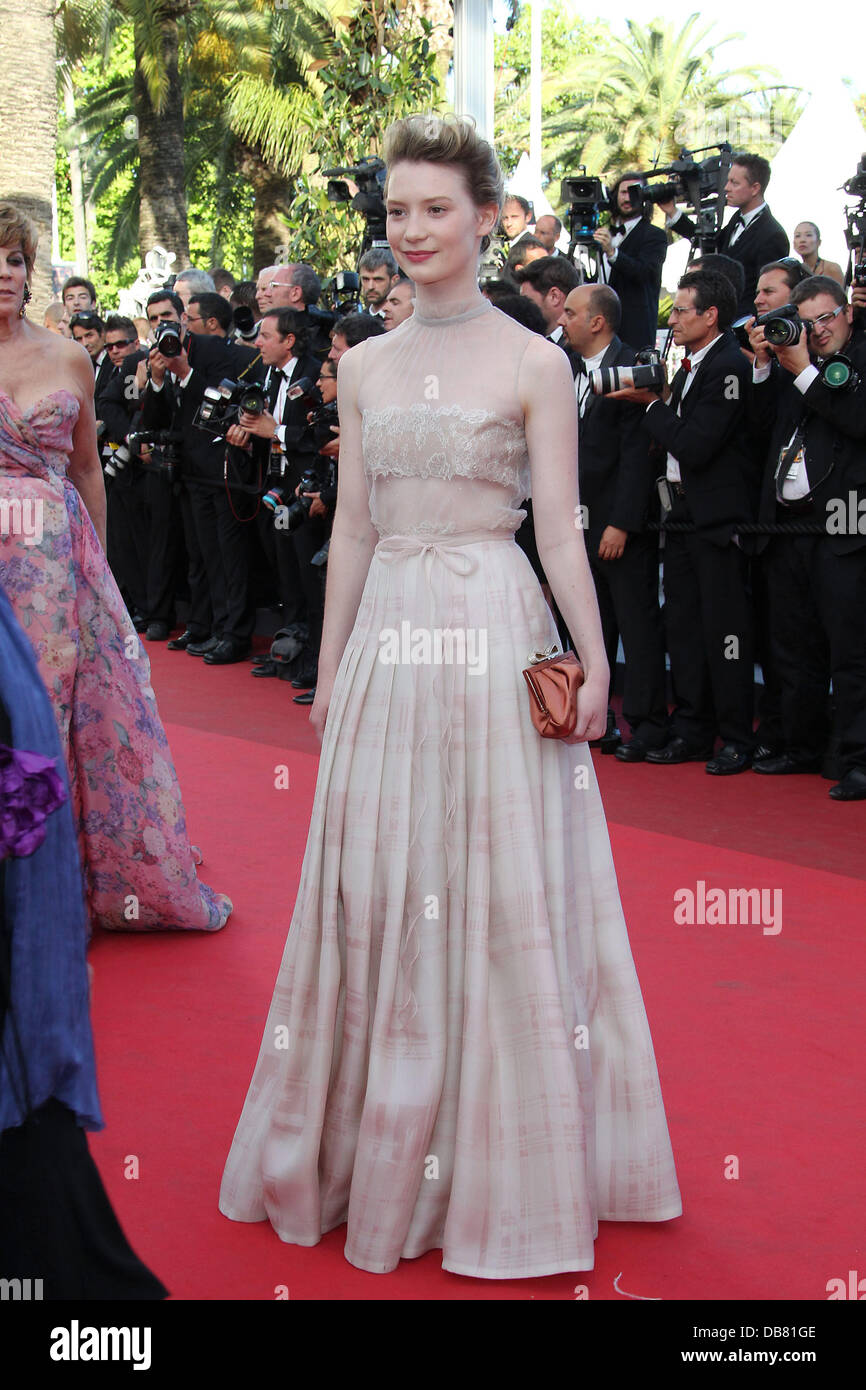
[25, 301]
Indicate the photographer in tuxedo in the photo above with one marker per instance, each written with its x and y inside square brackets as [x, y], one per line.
[173, 391]
[547, 282]
[816, 471]
[633, 253]
[617, 485]
[699, 422]
[128, 521]
[271, 439]
[752, 236]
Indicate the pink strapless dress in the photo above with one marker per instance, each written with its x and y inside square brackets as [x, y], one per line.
[139, 867]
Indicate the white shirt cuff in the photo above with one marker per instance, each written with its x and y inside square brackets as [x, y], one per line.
[806, 377]
[658, 401]
[761, 373]
[154, 387]
[185, 379]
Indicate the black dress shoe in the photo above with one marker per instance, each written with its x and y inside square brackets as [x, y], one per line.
[764, 750]
[267, 668]
[676, 750]
[852, 787]
[305, 680]
[611, 738]
[261, 659]
[202, 646]
[783, 765]
[306, 699]
[728, 761]
[139, 623]
[180, 644]
[634, 751]
[225, 653]
[156, 632]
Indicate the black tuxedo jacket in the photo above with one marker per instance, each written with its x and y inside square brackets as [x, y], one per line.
[247, 364]
[102, 375]
[117, 404]
[294, 417]
[636, 275]
[174, 407]
[764, 240]
[709, 440]
[615, 471]
[835, 438]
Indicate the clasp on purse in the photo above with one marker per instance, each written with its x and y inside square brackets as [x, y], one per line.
[535, 657]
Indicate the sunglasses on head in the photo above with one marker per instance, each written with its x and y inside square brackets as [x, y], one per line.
[84, 320]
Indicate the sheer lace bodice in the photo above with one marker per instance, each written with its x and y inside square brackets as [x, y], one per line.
[444, 445]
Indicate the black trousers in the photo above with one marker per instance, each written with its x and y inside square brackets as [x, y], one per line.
[769, 731]
[709, 629]
[818, 629]
[128, 535]
[166, 547]
[628, 601]
[279, 547]
[235, 513]
[310, 537]
[207, 597]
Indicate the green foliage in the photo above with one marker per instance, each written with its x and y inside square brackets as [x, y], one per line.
[383, 68]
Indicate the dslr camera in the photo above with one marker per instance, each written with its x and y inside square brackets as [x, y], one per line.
[312, 436]
[165, 446]
[168, 337]
[222, 405]
[782, 327]
[290, 514]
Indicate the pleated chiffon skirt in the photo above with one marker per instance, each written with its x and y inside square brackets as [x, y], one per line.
[457, 1054]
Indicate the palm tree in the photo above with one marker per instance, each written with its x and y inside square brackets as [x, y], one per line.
[28, 123]
[632, 103]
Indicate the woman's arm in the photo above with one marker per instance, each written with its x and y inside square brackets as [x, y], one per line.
[84, 469]
[353, 536]
[546, 393]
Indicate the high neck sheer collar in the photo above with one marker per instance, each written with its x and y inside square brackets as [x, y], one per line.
[454, 312]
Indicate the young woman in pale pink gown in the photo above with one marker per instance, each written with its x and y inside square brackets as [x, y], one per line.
[457, 1055]
[139, 867]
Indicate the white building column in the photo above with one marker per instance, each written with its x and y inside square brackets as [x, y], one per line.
[473, 63]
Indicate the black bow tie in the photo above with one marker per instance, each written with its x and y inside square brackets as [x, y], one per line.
[738, 220]
[581, 367]
[615, 228]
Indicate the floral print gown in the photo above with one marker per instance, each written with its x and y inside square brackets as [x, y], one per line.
[139, 866]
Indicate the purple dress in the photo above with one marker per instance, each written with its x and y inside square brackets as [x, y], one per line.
[139, 866]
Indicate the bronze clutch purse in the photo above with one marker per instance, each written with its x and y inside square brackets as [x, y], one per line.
[554, 679]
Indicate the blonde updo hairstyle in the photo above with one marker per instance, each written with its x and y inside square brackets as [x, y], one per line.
[429, 138]
[16, 229]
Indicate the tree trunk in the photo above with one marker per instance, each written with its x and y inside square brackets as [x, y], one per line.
[162, 217]
[79, 220]
[28, 125]
[273, 200]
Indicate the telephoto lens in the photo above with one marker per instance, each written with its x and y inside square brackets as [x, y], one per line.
[650, 377]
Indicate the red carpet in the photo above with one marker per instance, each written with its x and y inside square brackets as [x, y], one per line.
[757, 1035]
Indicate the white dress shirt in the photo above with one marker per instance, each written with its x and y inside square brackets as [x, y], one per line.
[672, 471]
[747, 218]
[581, 382]
[280, 403]
[617, 241]
[795, 484]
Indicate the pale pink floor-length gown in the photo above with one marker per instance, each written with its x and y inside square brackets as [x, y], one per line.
[139, 867]
[458, 924]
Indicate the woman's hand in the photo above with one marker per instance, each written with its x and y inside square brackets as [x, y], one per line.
[321, 702]
[591, 710]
